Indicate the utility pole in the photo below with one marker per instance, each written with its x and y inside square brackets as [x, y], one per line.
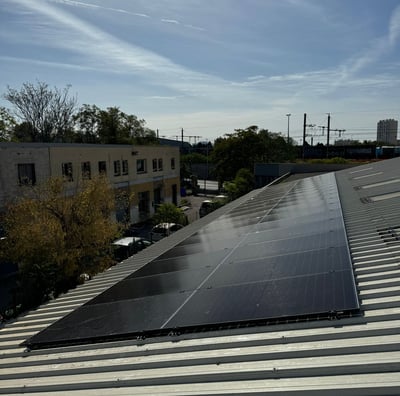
[288, 118]
[327, 134]
[305, 125]
[182, 138]
[304, 131]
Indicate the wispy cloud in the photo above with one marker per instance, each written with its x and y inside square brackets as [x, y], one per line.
[31, 61]
[156, 97]
[255, 78]
[59, 28]
[394, 27]
[70, 32]
[173, 21]
[95, 6]
[82, 4]
[200, 29]
[374, 52]
[101, 51]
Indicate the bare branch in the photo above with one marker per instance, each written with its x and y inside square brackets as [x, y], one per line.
[48, 111]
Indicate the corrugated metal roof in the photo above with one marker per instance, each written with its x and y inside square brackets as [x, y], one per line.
[351, 356]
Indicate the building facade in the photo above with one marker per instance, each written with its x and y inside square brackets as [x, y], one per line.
[387, 131]
[149, 173]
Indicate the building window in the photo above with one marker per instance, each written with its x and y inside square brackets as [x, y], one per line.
[86, 173]
[66, 168]
[141, 166]
[125, 169]
[102, 168]
[172, 163]
[155, 165]
[26, 174]
[117, 168]
[160, 164]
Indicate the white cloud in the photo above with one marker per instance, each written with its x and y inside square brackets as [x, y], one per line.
[95, 6]
[157, 97]
[173, 21]
[394, 27]
[69, 32]
[36, 62]
[261, 99]
[200, 29]
[258, 77]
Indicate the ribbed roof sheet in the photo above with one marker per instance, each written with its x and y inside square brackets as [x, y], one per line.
[351, 356]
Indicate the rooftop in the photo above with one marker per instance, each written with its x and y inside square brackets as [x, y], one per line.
[348, 355]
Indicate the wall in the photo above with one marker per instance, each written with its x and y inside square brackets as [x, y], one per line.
[13, 154]
[266, 173]
[49, 160]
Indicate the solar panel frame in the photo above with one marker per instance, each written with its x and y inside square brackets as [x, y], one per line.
[283, 253]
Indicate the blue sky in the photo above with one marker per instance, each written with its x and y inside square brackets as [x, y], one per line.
[213, 66]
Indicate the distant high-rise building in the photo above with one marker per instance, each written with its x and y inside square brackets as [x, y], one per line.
[387, 131]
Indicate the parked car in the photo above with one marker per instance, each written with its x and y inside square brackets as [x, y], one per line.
[126, 247]
[163, 230]
[221, 197]
[206, 207]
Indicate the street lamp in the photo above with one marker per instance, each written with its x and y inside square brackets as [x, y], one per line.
[288, 118]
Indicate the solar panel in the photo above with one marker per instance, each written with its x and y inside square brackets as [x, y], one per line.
[283, 254]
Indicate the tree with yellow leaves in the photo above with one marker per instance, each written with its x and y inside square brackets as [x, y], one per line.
[56, 236]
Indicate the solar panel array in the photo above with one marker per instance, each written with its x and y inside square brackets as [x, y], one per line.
[281, 254]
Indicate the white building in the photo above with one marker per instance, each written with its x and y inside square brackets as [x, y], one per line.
[387, 131]
[150, 173]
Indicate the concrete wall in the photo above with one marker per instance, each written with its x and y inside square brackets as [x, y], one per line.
[48, 160]
[10, 156]
[265, 173]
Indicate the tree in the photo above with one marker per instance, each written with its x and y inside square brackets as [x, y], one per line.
[48, 111]
[169, 213]
[55, 237]
[235, 151]
[137, 130]
[87, 121]
[7, 124]
[276, 147]
[23, 132]
[242, 184]
[245, 147]
[111, 126]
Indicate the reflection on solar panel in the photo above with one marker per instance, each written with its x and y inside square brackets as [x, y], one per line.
[282, 254]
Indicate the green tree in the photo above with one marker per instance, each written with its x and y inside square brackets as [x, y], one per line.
[169, 213]
[55, 236]
[87, 121]
[276, 147]
[242, 184]
[48, 111]
[7, 124]
[111, 126]
[245, 147]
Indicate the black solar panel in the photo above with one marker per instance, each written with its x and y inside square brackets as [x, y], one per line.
[283, 254]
